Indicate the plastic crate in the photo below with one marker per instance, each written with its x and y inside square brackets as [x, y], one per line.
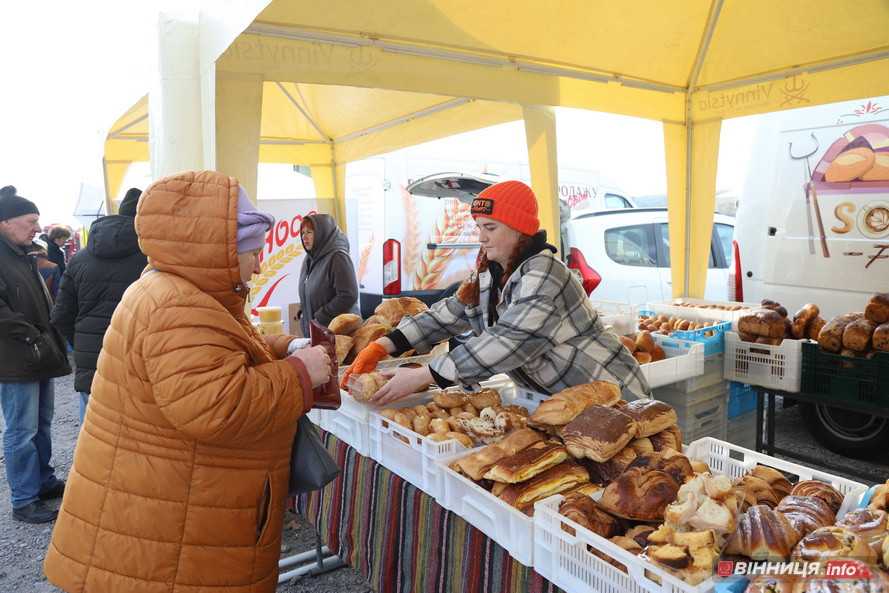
[712, 337]
[741, 399]
[620, 317]
[833, 378]
[317, 417]
[568, 562]
[504, 524]
[413, 456]
[675, 307]
[348, 423]
[684, 360]
[777, 367]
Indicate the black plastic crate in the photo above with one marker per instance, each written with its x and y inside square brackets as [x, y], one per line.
[839, 379]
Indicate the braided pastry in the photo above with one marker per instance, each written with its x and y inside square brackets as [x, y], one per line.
[821, 490]
[763, 534]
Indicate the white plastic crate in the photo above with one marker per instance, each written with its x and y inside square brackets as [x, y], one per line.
[567, 562]
[673, 308]
[317, 417]
[684, 360]
[777, 367]
[504, 524]
[700, 413]
[349, 423]
[412, 456]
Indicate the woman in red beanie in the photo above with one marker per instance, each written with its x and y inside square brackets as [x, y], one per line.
[529, 314]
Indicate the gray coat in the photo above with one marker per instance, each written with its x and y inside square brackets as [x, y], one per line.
[327, 283]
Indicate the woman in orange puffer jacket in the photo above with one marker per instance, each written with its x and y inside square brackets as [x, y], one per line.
[180, 473]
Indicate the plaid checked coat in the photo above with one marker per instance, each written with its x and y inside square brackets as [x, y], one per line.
[547, 337]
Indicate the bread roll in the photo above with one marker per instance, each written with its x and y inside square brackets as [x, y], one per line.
[802, 319]
[378, 319]
[831, 336]
[639, 495]
[773, 306]
[411, 306]
[345, 324]
[832, 542]
[644, 342]
[878, 308]
[486, 398]
[857, 335]
[763, 323]
[390, 309]
[364, 387]
[763, 534]
[629, 343]
[421, 425]
[343, 347]
[881, 338]
[642, 357]
[821, 490]
[599, 433]
[366, 334]
[815, 327]
[658, 354]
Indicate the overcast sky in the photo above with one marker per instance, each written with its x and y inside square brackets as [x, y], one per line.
[70, 69]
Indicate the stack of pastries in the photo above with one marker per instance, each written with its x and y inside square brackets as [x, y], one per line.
[771, 324]
[643, 347]
[353, 334]
[857, 335]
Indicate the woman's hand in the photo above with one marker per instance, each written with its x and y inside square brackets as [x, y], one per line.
[403, 383]
[317, 363]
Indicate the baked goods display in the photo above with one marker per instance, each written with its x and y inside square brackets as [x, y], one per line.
[771, 324]
[667, 324]
[643, 347]
[470, 418]
[859, 334]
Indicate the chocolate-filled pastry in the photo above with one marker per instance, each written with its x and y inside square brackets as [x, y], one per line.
[775, 479]
[821, 490]
[477, 464]
[832, 542]
[584, 511]
[651, 415]
[762, 534]
[674, 463]
[526, 464]
[670, 438]
[599, 433]
[806, 513]
[869, 525]
[605, 473]
[639, 495]
[565, 476]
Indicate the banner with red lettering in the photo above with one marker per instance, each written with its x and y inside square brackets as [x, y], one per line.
[277, 284]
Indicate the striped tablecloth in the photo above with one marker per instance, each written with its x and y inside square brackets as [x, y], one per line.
[401, 540]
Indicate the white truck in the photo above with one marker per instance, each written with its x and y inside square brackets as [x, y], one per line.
[813, 227]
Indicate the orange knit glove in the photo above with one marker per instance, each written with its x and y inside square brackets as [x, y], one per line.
[365, 362]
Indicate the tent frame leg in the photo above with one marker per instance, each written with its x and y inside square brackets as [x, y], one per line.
[324, 561]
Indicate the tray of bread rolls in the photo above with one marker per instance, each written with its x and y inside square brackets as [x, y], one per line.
[712, 512]
[702, 309]
[408, 439]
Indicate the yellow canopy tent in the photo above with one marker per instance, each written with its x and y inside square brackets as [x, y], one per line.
[332, 82]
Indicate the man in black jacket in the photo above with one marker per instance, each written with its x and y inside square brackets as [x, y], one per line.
[32, 353]
[92, 286]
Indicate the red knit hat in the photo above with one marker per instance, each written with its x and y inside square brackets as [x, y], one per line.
[511, 202]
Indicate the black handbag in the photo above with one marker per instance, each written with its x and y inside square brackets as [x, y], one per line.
[311, 466]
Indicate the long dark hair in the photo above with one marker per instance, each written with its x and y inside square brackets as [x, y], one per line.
[469, 292]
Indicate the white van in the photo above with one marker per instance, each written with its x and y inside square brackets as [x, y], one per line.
[813, 227]
[830, 245]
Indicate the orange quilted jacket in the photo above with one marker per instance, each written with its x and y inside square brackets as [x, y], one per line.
[180, 473]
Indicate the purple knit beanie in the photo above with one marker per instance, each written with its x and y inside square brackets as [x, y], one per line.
[252, 224]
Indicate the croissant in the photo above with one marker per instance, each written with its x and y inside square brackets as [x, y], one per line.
[821, 490]
[806, 513]
[639, 495]
[870, 525]
[833, 542]
[671, 438]
[584, 511]
[763, 534]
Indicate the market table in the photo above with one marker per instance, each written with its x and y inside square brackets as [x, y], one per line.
[765, 410]
[400, 539]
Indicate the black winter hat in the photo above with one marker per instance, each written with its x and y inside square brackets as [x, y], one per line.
[12, 205]
[129, 202]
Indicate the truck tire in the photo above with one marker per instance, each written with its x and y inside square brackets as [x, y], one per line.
[849, 433]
